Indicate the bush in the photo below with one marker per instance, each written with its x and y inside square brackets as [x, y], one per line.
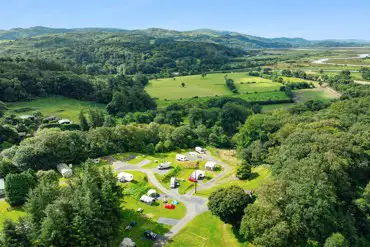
[17, 187]
[244, 171]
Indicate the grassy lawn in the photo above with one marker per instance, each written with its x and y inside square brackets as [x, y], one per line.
[211, 85]
[261, 173]
[148, 219]
[7, 212]
[314, 94]
[206, 230]
[57, 106]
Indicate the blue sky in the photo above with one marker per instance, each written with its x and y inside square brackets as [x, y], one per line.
[312, 19]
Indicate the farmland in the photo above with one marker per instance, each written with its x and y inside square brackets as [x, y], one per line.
[59, 106]
[210, 85]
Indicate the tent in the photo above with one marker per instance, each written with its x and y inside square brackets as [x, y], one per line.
[169, 206]
[197, 174]
[210, 165]
[125, 177]
[127, 242]
[174, 202]
[65, 170]
[152, 193]
[147, 199]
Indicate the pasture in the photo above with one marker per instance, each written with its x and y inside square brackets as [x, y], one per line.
[208, 86]
[323, 94]
[56, 106]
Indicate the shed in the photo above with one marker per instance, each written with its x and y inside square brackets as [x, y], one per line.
[198, 174]
[147, 199]
[64, 121]
[65, 170]
[125, 177]
[127, 242]
[2, 187]
[210, 165]
[152, 193]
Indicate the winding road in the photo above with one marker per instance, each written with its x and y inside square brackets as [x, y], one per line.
[195, 205]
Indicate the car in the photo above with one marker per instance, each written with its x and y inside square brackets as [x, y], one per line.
[140, 210]
[150, 234]
[131, 225]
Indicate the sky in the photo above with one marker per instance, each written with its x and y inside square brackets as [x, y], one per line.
[311, 19]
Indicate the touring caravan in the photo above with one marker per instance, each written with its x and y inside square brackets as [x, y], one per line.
[181, 157]
[164, 165]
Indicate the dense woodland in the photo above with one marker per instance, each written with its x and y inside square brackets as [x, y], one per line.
[318, 152]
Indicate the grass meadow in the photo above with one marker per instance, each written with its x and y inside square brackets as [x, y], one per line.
[57, 106]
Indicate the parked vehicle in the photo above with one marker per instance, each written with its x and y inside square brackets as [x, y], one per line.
[181, 157]
[174, 182]
[131, 225]
[150, 234]
[164, 165]
[200, 150]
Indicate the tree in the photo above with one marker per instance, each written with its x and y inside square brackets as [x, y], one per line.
[96, 118]
[109, 121]
[2, 108]
[183, 84]
[17, 187]
[244, 170]
[336, 240]
[7, 167]
[229, 204]
[83, 122]
[15, 234]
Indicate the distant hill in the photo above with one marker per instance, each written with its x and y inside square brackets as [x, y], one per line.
[230, 39]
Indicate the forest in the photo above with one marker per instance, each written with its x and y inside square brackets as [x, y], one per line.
[317, 151]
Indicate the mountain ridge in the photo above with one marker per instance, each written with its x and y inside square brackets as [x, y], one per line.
[228, 38]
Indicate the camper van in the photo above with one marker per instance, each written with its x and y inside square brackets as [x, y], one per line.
[164, 165]
[200, 150]
[181, 157]
[174, 182]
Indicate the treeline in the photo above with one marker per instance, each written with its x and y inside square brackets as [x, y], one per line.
[85, 211]
[95, 54]
[320, 162]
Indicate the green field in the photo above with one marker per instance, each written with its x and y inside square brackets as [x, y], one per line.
[7, 212]
[211, 85]
[314, 94]
[206, 230]
[260, 173]
[57, 106]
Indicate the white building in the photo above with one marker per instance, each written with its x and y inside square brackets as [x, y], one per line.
[64, 121]
[2, 186]
[65, 170]
[125, 177]
[210, 165]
